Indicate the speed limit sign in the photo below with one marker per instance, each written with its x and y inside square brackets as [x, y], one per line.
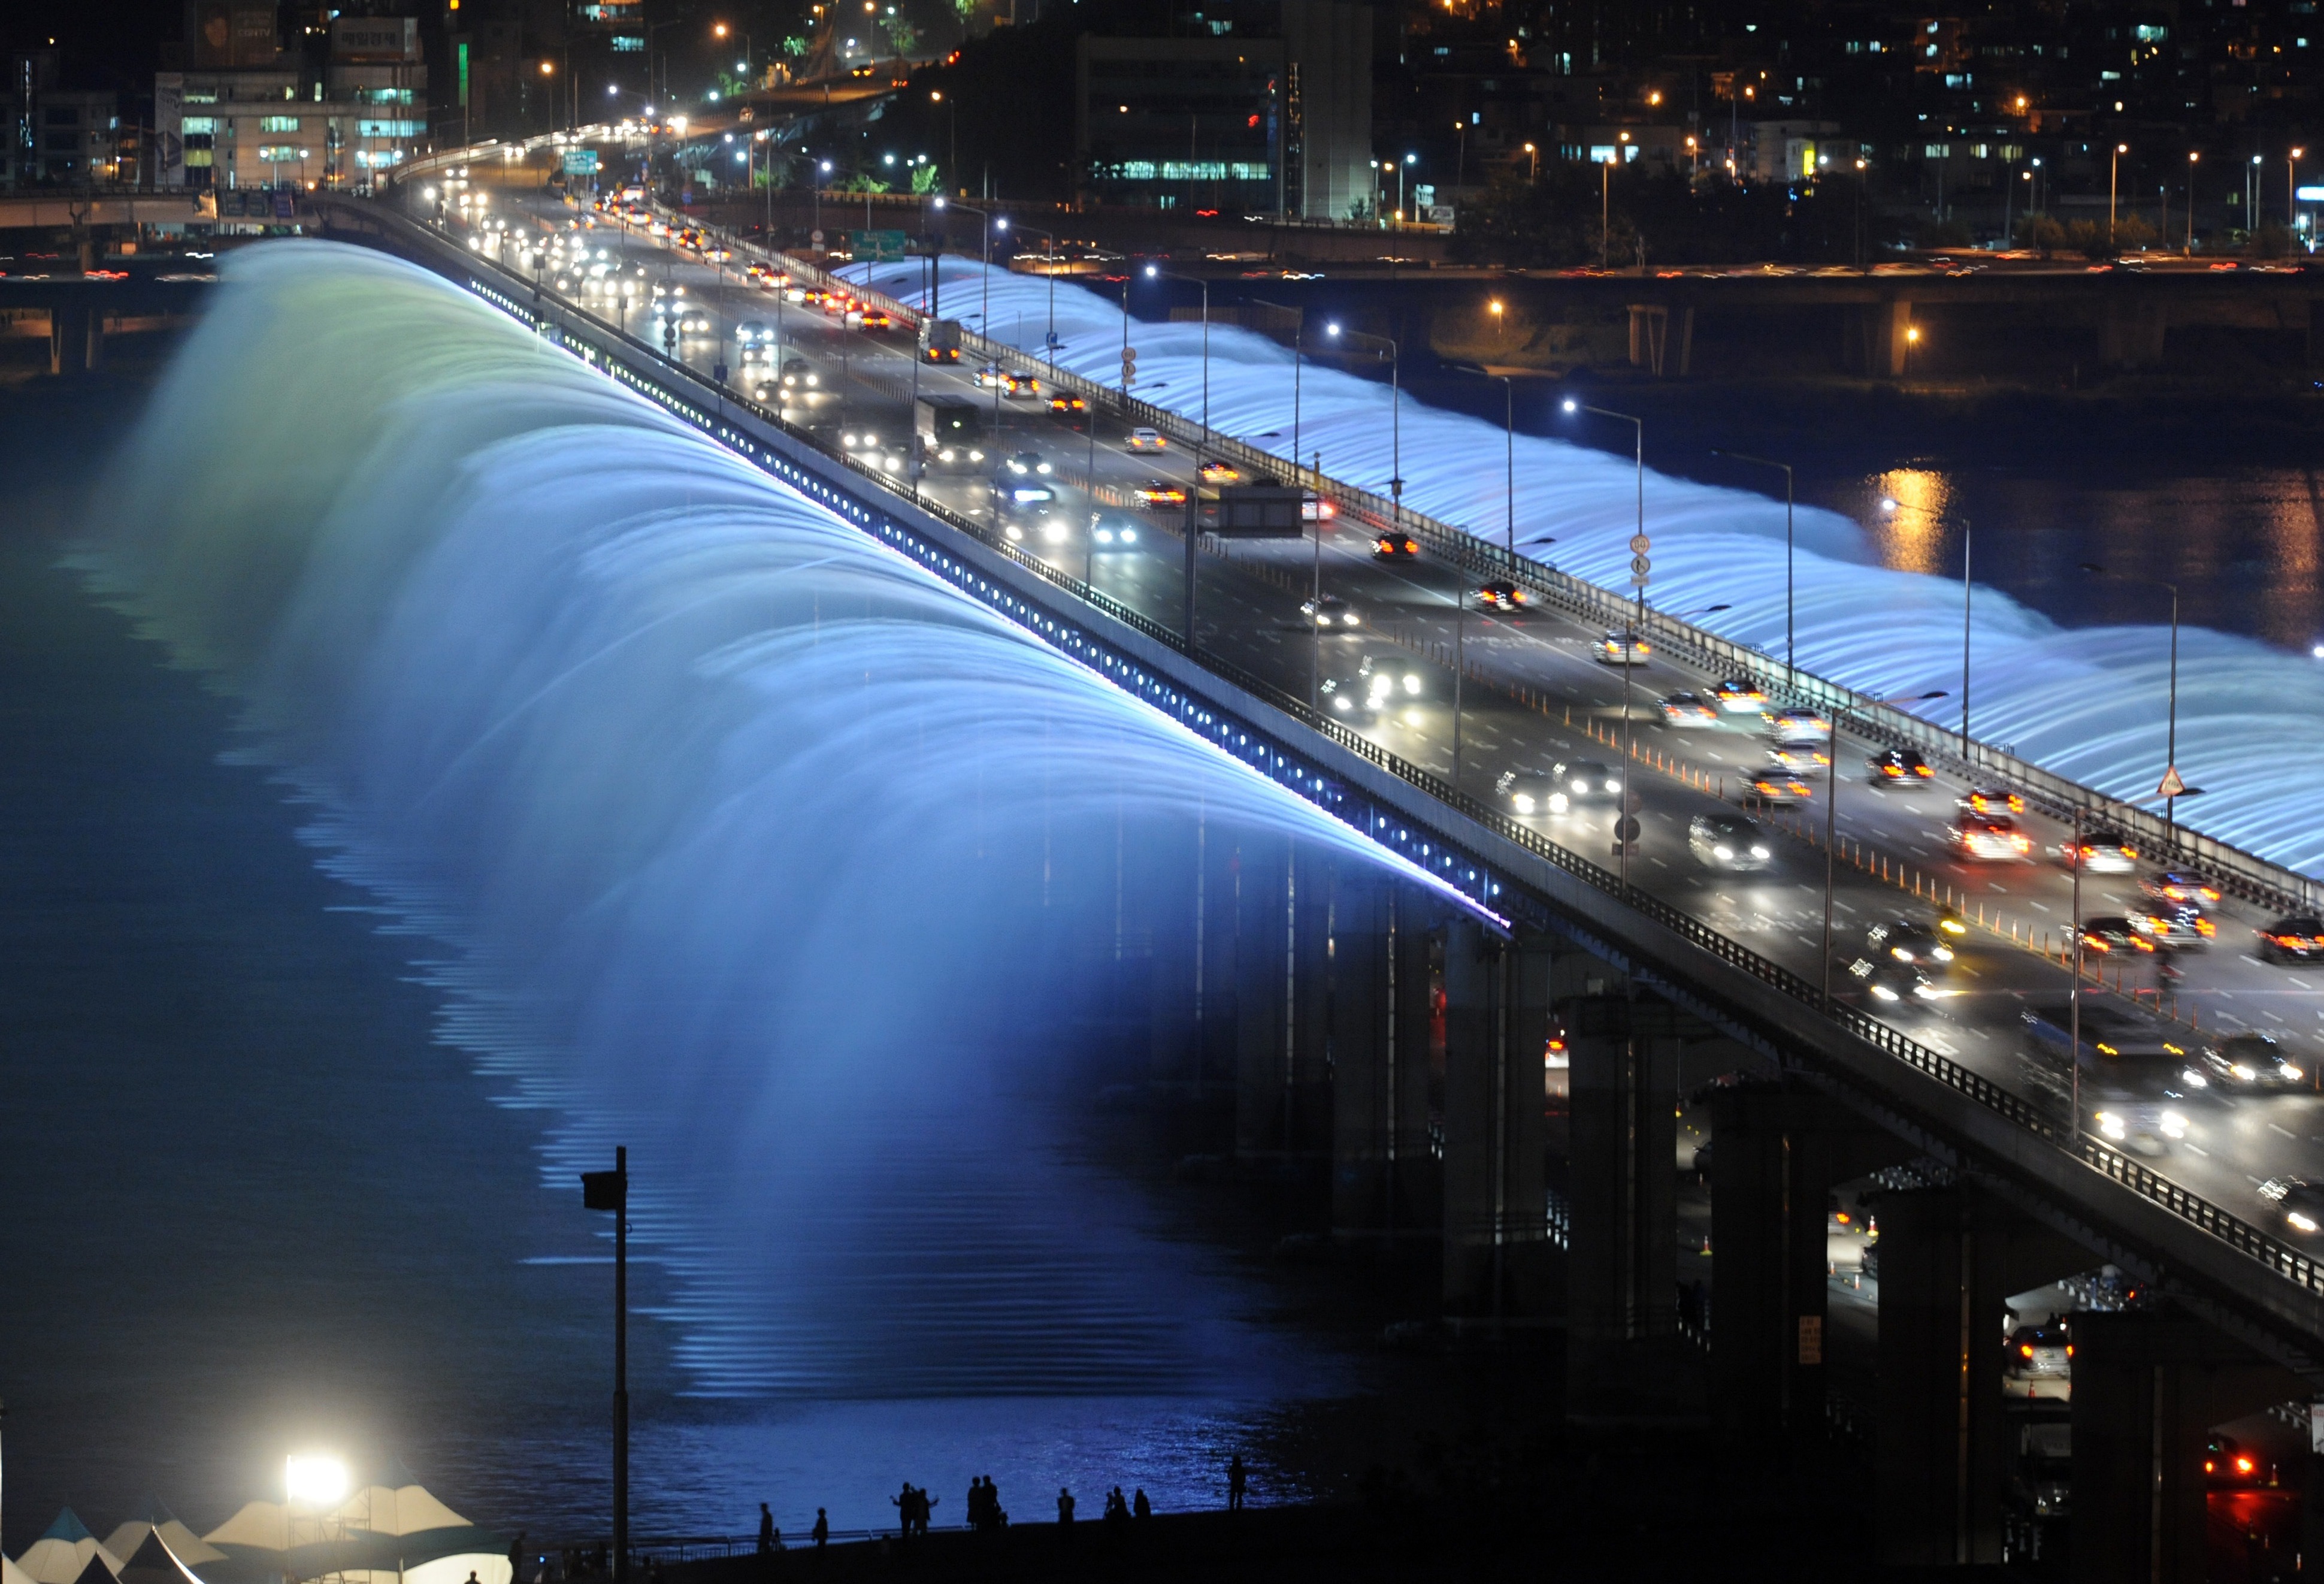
[1640, 544]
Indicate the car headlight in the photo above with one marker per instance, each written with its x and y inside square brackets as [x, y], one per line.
[1758, 852]
[1341, 701]
[1581, 786]
[1900, 954]
[1722, 852]
[2291, 1073]
[2175, 1125]
[2304, 1223]
[2243, 1073]
[1926, 992]
[1559, 804]
[2194, 1080]
[1523, 802]
[1941, 953]
[1613, 783]
[1130, 536]
[1014, 532]
[2112, 1125]
[1411, 683]
[1885, 993]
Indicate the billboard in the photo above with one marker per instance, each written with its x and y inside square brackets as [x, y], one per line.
[881, 246]
[231, 32]
[376, 38]
[1255, 511]
[168, 142]
[580, 161]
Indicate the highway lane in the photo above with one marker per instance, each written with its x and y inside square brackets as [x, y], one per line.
[1251, 615]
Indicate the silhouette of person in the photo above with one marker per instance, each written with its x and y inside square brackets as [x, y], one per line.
[1235, 1481]
[822, 1530]
[993, 1506]
[1064, 1506]
[766, 1530]
[1139, 1506]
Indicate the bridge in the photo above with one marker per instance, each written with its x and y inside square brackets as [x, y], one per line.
[1333, 995]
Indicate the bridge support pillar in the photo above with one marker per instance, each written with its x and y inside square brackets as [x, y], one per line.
[1496, 1036]
[1363, 1058]
[71, 338]
[1892, 337]
[1265, 921]
[1622, 1180]
[1950, 1258]
[1776, 1152]
[1651, 329]
[2148, 1385]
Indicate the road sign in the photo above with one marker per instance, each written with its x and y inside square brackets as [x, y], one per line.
[1639, 579]
[816, 237]
[881, 246]
[1640, 544]
[580, 161]
[1641, 565]
[1254, 511]
[1626, 829]
[2171, 787]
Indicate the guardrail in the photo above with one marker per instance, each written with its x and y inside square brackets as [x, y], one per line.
[2284, 1261]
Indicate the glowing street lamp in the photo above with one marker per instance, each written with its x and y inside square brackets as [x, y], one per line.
[2114, 169]
[314, 1481]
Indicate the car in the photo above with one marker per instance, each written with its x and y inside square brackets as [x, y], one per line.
[1740, 696]
[1993, 800]
[798, 375]
[934, 354]
[1990, 838]
[876, 318]
[992, 377]
[1161, 492]
[2180, 889]
[2251, 1061]
[1796, 724]
[1025, 387]
[2109, 933]
[1502, 594]
[1688, 710]
[1316, 508]
[1908, 941]
[1066, 404]
[753, 332]
[1148, 439]
[1621, 647]
[2043, 1351]
[1773, 790]
[1728, 841]
[953, 456]
[1798, 758]
[1114, 533]
[1395, 547]
[1588, 780]
[2298, 938]
[2102, 852]
[1898, 767]
[1028, 465]
[1531, 791]
[1884, 980]
[1215, 471]
[1331, 611]
[2176, 928]
[2297, 1201]
[1385, 683]
[2229, 1465]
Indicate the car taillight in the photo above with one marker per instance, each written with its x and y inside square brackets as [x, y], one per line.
[2025, 1349]
[1922, 770]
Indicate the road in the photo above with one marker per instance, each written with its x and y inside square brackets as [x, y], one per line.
[1533, 696]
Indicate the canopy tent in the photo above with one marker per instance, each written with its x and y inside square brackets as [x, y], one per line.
[184, 1544]
[392, 1530]
[64, 1554]
[152, 1562]
[10, 1573]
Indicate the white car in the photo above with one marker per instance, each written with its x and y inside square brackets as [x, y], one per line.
[1148, 439]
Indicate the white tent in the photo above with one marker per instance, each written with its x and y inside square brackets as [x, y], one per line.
[394, 1532]
[10, 1573]
[384, 1509]
[184, 1544]
[258, 1526]
[153, 1563]
[63, 1554]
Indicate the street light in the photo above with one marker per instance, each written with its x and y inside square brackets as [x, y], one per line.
[2171, 787]
[1968, 544]
[1395, 415]
[1630, 644]
[1789, 660]
[1509, 445]
[2192, 156]
[1202, 437]
[1534, 155]
[2291, 188]
[1494, 308]
[2114, 169]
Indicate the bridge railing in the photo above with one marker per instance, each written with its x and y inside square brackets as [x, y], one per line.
[692, 390]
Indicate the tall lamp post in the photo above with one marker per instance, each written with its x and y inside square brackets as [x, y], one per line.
[1969, 544]
[2193, 155]
[1510, 461]
[2173, 787]
[2291, 188]
[1789, 660]
[1395, 411]
[1630, 643]
[2113, 172]
[610, 1190]
[1201, 438]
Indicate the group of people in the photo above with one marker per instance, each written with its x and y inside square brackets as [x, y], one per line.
[912, 1506]
[984, 1509]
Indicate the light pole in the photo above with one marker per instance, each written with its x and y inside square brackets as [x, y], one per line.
[2172, 788]
[1533, 173]
[1202, 437]
[1831, 826]
[2192, 156]
[1316, 645]
[1605, 208]
[1630, 643]
[1460, 627]
[2114, 170]
[1789, 660]
[2291, 188]
[1394, 411]
[610, 1190]
[1510, 460]
[1968, 543]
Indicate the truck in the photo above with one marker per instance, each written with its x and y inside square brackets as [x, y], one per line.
[950, 431]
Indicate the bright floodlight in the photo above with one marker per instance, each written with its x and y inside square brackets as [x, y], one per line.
[1002, 224]
[1151, 272]
[1886, 504]
[314, 1481]
[1571, 405]
[2318, 652]
[1333, 329]
[940, 203]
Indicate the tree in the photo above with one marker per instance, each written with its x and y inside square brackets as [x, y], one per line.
[925, 179]
[2043, 234]
[2271, 241]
